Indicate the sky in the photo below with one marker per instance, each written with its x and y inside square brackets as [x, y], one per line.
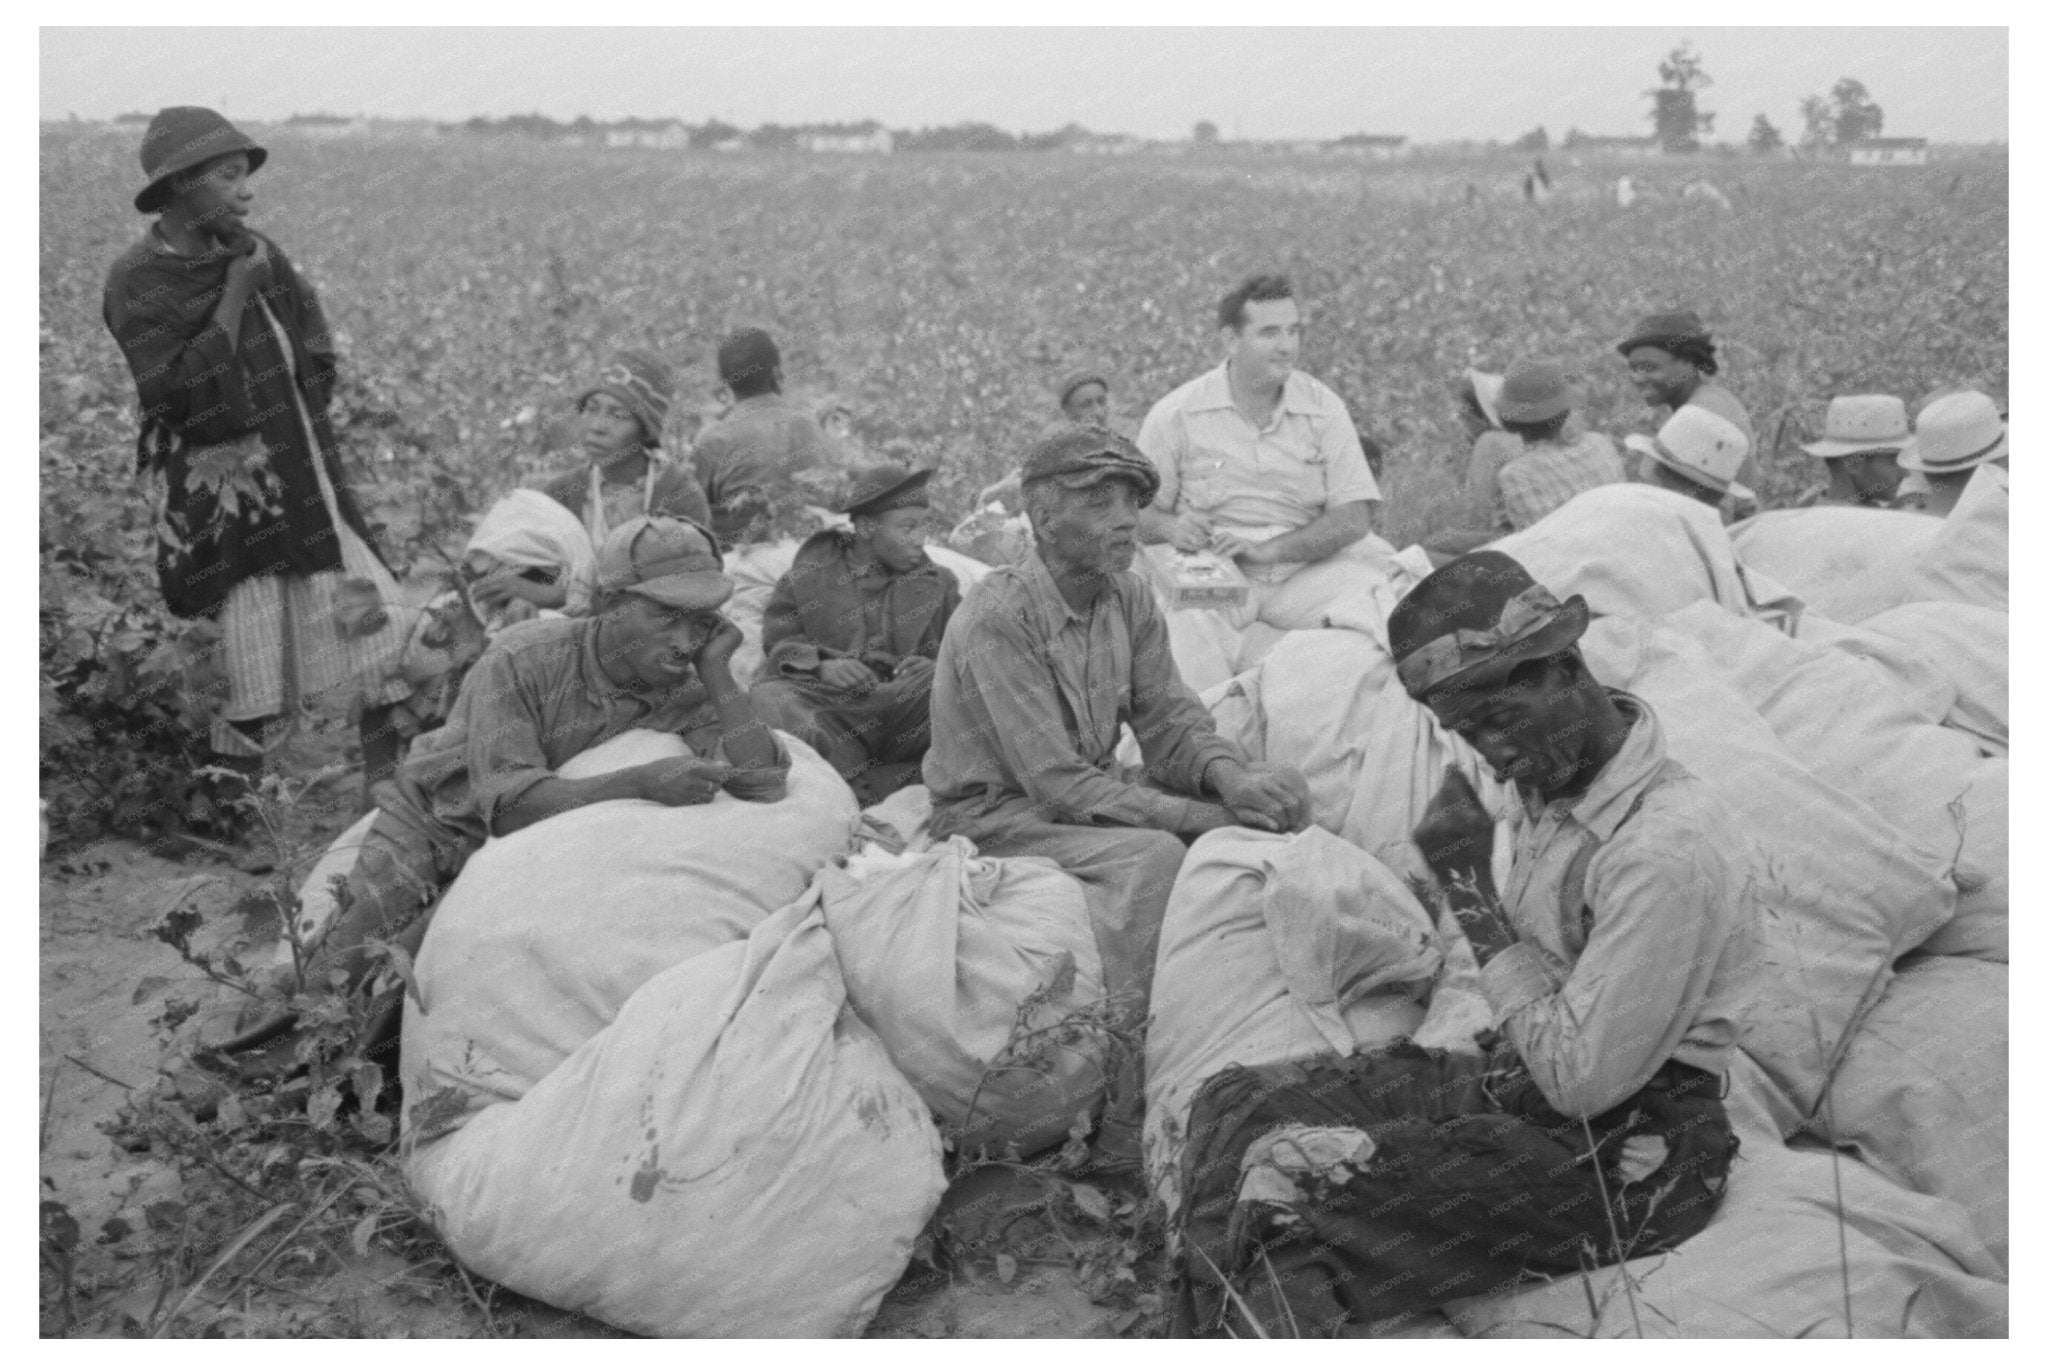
[1431, 84]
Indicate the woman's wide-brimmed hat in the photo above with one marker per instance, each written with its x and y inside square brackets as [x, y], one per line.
[1956, 432]
[1534, 391]
[182, 137]
[1468, 624]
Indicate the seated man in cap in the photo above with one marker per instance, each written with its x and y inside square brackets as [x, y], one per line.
[1696, 455]
[1042, 666]
[1673, 363]
[1618, 966]
[1954, 435]
[851, 633]
[752, 461]
[1860, 444]
[656, 655]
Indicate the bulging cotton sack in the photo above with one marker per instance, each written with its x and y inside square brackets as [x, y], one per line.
[1846, 563]
[940, 954]
[546, 932]
[1276, 947]
[732, 1156]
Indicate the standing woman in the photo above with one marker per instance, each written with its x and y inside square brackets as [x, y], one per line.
[256, 524]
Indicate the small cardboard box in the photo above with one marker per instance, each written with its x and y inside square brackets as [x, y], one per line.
[1205, 580]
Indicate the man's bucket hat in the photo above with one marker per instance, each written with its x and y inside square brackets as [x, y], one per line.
[1955, 432]
[669, 559]
[1702, 446]
[1468, 624]
[1861, 424]
[182, 137]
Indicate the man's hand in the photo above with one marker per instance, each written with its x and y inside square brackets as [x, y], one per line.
[848, 675]
[914, 669]
[1207, 816]
[1456, 833]
[682, 781]
[1233, 546]
[1263, 796]
[716, 652]
[1191, 532]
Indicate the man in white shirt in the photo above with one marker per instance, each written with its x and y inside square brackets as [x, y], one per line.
[1260, 462]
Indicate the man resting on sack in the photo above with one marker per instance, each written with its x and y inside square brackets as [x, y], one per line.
[1616, 962]
[656, 655]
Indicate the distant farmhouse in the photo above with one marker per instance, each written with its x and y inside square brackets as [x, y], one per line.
[664, 135]
[1372, 146]
[1105, 144]
[1889, 151]
[1620, 148]
[327, 125]
[867, 136]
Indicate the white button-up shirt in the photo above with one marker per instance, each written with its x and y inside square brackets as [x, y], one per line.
[1284, 475]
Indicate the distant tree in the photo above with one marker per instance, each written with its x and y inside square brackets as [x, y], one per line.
[1843, 117]
[1205, 133]
[714, 131]
[1764, 137]
[1535, 140]
[1675, 109]
[1857, 116]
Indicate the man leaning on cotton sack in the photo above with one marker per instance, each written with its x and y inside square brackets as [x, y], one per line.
[1695, 454]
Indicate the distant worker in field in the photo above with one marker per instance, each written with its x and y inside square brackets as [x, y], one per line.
[1261, 463]
[624, 472]
[1860, 443]
[257, 527]
[851, 633]
[1038, 672]
[1695, 454]
[751, 460]
[1953, 437]
[1673, 362]
[1536, 462]
[656, 655]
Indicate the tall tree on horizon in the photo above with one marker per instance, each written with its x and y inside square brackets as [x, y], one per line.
[1675, 108]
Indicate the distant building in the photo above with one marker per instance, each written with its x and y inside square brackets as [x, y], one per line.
[666, 135]
[1624, 148]
[1889, 151]
[1098, 144]
[866, 137]
[327, 125]
[1373, 146]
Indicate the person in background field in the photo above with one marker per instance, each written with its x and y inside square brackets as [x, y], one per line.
[851, 633]
[1260, 462]
[1543, 470]
[656, 655]
[257, 526]
[1954, 435]
[751, 459]
[1695, 454]
[1673, 363]
[624, 473]
[1860, 443]
[1618, 963]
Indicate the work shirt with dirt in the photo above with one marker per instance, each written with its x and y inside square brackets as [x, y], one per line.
[1598, 1115]
[1028, 700]
[748, 462]
[537, 698]
[829, 607]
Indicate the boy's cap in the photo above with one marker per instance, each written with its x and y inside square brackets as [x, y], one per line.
[673, 561]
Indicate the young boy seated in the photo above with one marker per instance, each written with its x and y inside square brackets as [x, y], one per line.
[656, 656]
[851, 632]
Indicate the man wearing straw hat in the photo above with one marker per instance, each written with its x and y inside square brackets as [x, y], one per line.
[257, 527]
[1618, 963]
[1860, 443]
[1954, 436]
[1695, 454]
